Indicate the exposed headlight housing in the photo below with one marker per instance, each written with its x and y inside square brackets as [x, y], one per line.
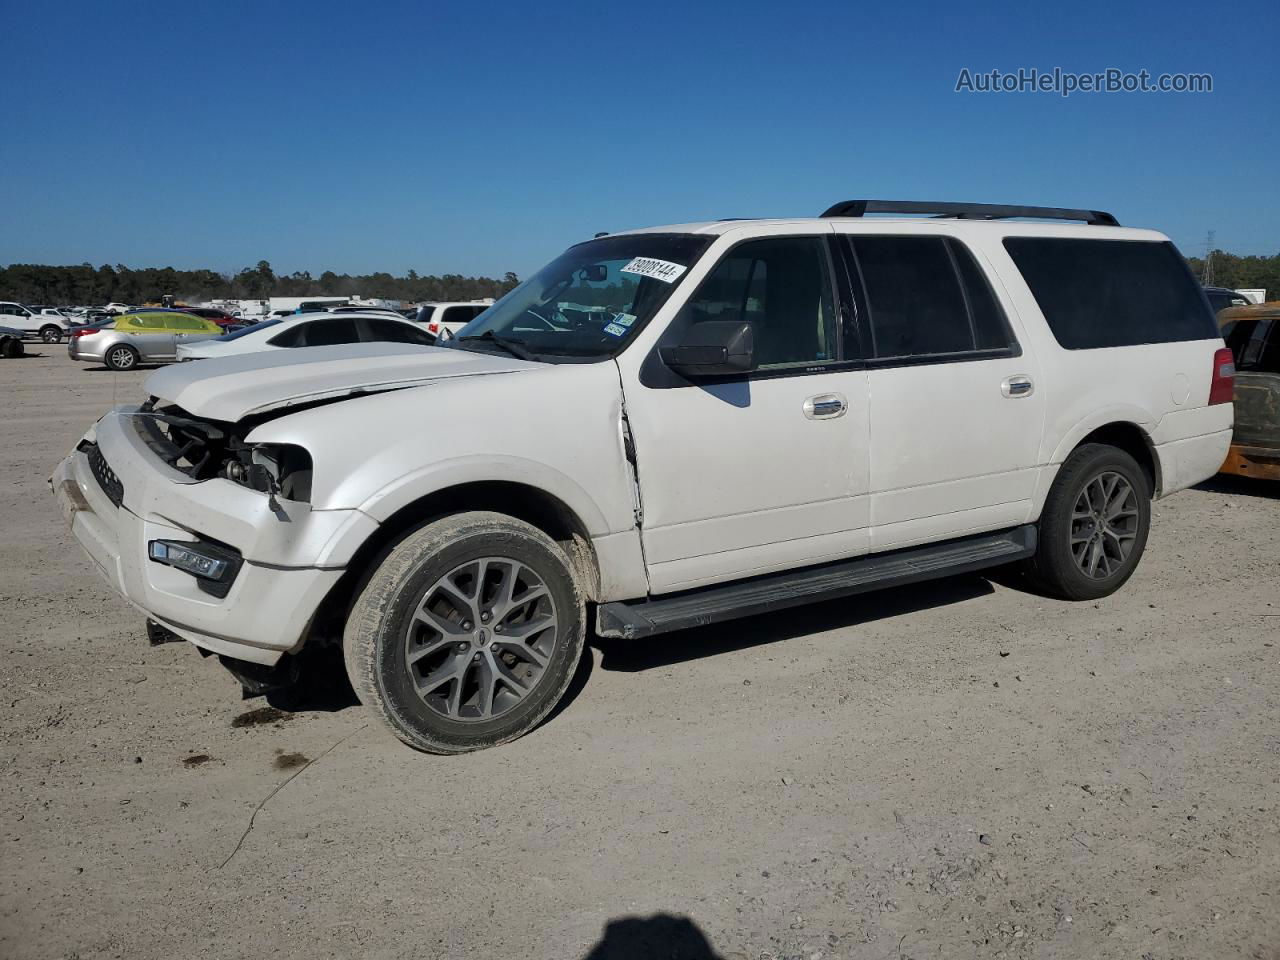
[281, 469]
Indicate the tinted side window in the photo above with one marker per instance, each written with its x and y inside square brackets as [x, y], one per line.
[912, 299]
[781, 286]
[1256, 345]
[1112, 293]
[388, 331]
[327, 333]
[291, 337]
[1218, 301]
[990, 328]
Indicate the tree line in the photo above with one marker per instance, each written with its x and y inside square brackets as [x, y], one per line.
[86, 285]
[89, 285]
[1249, 273]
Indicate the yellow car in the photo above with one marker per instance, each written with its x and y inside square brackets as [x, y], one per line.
[142, 336]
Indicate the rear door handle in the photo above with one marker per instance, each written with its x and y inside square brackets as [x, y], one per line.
[825, 406]
[1019, 386]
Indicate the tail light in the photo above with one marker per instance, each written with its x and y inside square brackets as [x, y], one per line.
[85, 331]
[434, 326]
[1223, 384]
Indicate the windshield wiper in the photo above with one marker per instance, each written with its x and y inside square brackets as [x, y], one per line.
[513, 346]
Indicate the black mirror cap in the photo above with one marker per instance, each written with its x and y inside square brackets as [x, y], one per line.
[713, 348]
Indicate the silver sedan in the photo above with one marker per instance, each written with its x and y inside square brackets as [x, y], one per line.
[142, 337]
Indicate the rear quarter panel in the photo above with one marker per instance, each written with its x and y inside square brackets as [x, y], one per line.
[1162, 388]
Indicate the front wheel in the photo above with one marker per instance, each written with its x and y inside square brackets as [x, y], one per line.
[1094, 526]
[51, 334]
[467, 634]
[121, 357]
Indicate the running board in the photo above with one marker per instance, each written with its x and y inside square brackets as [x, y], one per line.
[632, 619]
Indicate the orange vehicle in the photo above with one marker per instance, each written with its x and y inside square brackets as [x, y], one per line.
[1253, 334]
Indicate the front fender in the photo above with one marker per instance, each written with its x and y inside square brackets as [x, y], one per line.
[442, 475]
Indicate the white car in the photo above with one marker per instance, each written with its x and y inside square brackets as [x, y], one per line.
[445, 318]
[767, 413]
[48, 324]
[310, 330]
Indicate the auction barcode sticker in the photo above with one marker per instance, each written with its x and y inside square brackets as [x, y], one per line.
[662, 270]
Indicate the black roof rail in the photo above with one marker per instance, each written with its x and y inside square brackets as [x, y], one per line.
[968, 211]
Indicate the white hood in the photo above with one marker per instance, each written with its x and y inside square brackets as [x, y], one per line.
[231, 388]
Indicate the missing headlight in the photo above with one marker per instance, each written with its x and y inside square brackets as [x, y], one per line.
[274, 468]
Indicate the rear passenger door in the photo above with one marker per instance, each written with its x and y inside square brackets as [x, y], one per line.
[955, 416]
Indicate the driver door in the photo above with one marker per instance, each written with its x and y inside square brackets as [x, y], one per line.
[747, 475]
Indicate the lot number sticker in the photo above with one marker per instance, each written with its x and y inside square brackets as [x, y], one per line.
[662, 270]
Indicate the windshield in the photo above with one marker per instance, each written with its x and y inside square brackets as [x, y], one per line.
[590, 301]
[253, 328]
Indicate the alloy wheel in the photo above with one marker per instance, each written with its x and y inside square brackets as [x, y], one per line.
[1104, 525]
[121, 358]
[480, 639]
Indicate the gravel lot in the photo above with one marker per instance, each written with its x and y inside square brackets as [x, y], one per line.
[958, 769]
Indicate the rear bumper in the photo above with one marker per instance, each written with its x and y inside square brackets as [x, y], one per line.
[1246, 461]
[290, 562]
[1190, 445]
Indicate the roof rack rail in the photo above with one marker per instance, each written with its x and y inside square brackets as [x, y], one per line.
[968, 211]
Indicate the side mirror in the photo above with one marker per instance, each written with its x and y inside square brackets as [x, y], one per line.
[714, 348]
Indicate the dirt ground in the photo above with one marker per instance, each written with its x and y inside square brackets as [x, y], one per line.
[959, 769]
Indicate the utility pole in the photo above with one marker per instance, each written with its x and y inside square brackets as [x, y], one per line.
[1206, 278]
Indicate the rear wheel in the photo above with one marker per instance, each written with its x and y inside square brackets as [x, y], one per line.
[10, 347]
[1094, 526]
[121, 357]
[467, 634]
[51, 333]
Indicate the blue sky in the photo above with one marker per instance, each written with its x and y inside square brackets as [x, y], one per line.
[482, 137]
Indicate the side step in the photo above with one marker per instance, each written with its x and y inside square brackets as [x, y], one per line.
[632, 619]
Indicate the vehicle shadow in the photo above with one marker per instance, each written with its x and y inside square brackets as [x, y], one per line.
[1231, 484]
[137, 366]
[634, 656]
[649, 938]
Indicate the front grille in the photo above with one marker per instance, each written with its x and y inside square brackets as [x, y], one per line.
[105, 476]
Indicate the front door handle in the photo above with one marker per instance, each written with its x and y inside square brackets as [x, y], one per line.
[825, 406]
[1018, 386]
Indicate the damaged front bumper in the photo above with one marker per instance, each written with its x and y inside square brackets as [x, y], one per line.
[119, 497]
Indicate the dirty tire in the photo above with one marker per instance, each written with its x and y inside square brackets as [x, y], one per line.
[121, 357]
[51, 333]
[1054, 568]
[375, 639]
[10, 348]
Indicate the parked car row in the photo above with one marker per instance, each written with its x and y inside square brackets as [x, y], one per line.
[159, 335]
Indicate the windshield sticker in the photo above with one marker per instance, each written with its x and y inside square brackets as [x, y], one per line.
[663, 270]
[615, 330]
[624, 319]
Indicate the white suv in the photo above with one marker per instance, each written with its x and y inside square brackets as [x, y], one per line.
[446, 318]
[661, 429]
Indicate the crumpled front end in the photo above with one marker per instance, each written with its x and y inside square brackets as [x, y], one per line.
[203, 539]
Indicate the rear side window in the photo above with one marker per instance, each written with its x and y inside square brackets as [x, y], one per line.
[1112, 293]
[1255, 344]
[389, 331]
[326, 333]
[318, 333]
[925, 296]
